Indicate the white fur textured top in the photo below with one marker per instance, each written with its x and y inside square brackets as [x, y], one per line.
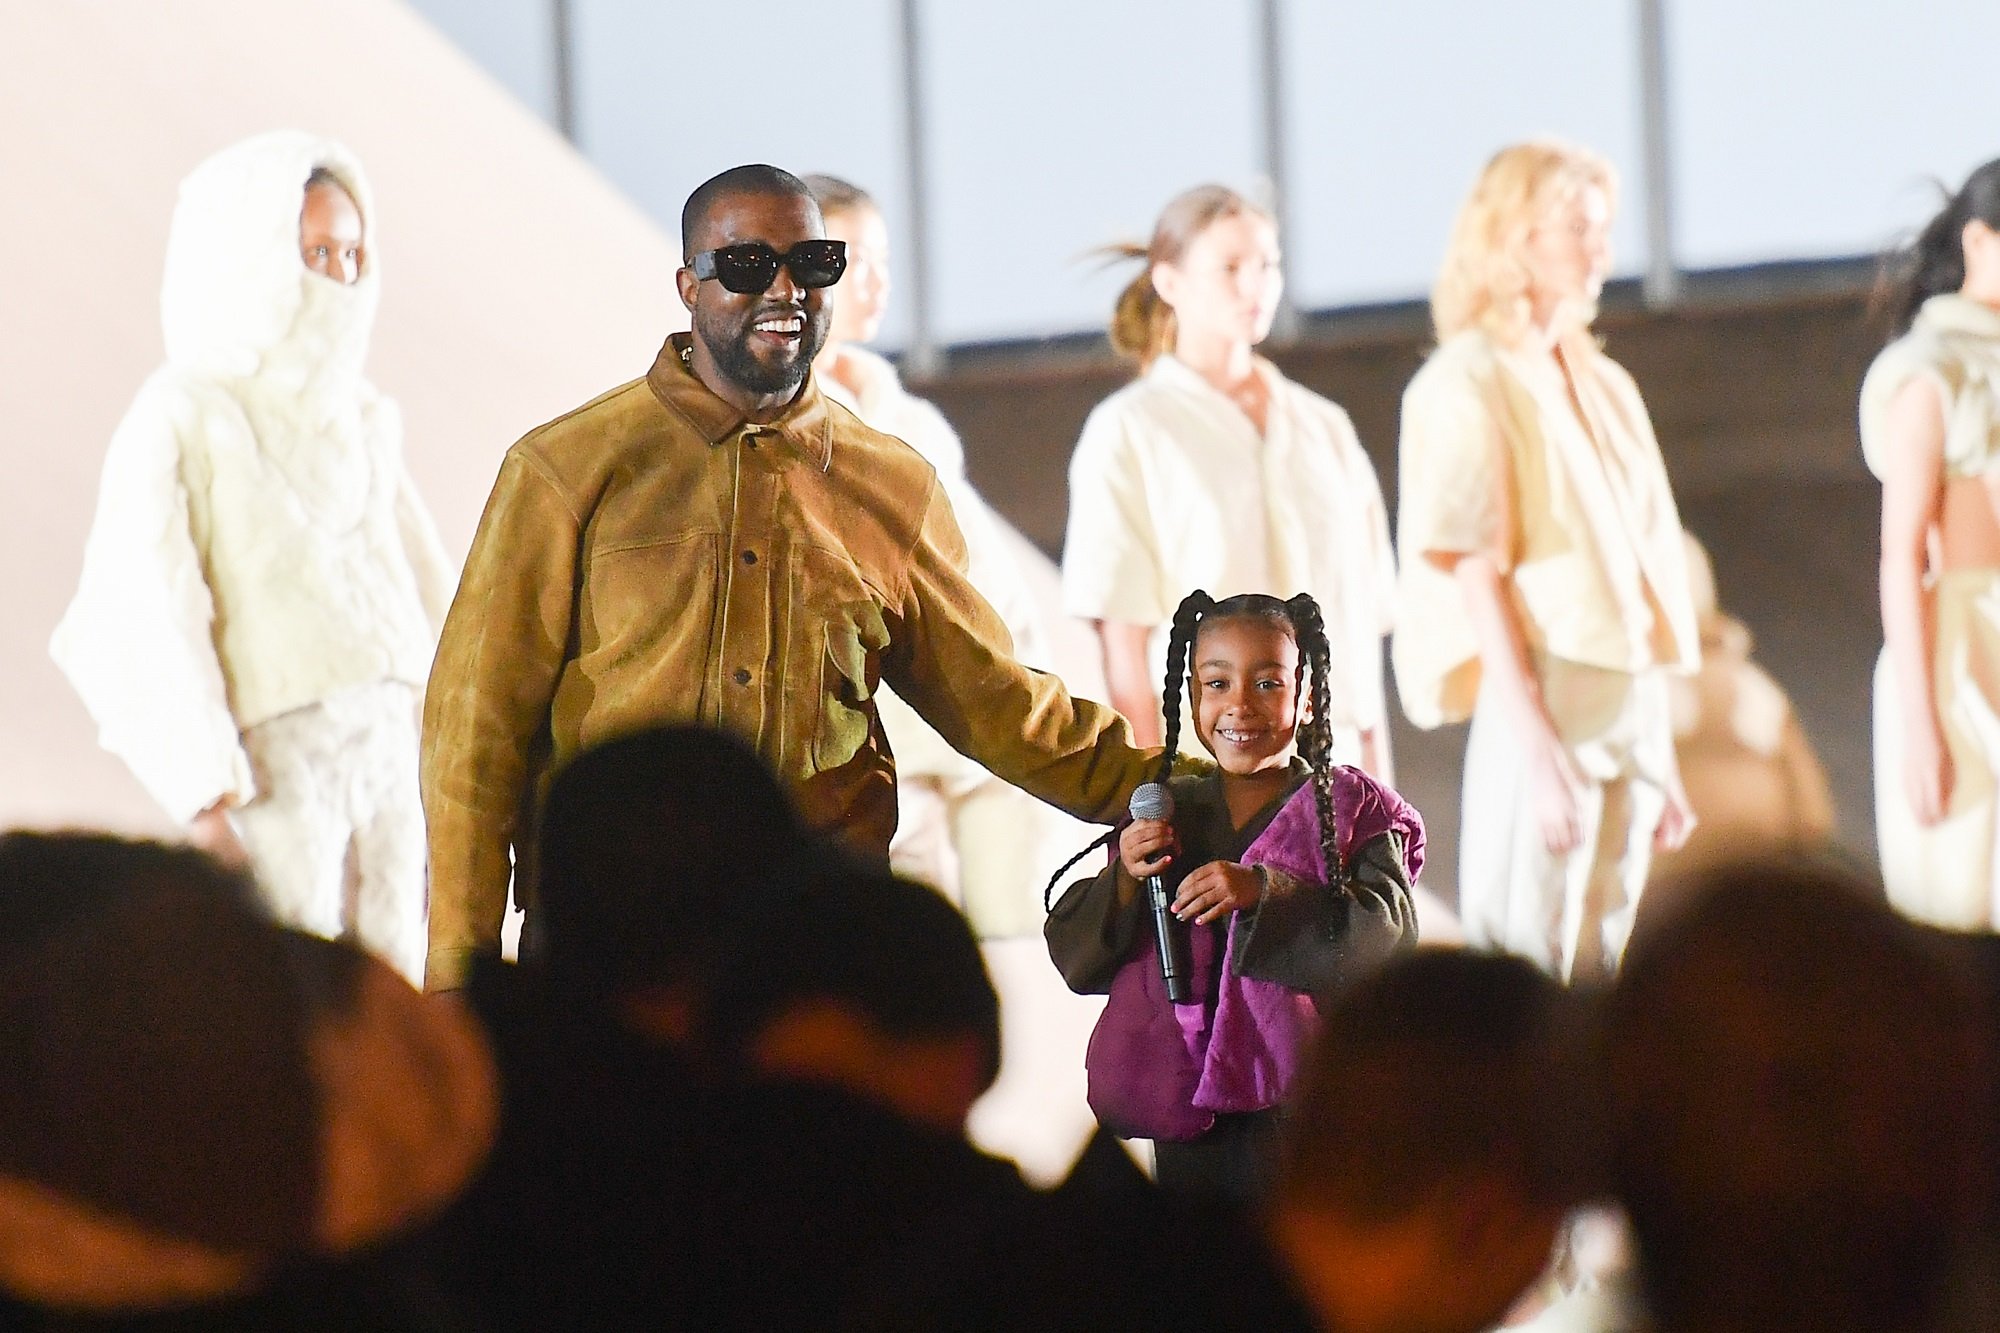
[258, 545]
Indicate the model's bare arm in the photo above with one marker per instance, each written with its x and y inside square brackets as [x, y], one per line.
[1504, 658]
[1128, 674]
[1912, 500]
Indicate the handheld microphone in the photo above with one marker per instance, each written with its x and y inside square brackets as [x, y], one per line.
[1152, 800]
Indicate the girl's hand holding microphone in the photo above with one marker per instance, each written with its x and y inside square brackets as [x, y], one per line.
[1147, 847]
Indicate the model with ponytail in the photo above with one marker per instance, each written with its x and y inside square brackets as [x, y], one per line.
[1298, 873]
[1930, 430]
[1215, 469]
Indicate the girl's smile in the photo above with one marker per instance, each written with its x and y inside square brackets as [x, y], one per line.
[1246, 703]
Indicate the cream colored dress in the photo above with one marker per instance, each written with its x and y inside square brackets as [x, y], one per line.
[1946, 874]
[1581, 522]
[984, 844]
[1172, 488]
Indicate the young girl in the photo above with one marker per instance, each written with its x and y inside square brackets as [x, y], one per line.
[1545, 584]
[1292, 874]
[1213, 468]
[1930, 429]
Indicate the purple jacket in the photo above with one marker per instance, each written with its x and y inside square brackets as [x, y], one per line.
[1164, 1071]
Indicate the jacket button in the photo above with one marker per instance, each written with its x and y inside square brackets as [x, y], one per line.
[742, 676]
[749, 557]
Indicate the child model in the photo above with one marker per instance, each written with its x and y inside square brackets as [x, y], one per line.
[1214, 469]
[959, 828]
[1930, 429]
[262, 585]
[1545, 587]
[1298, 875]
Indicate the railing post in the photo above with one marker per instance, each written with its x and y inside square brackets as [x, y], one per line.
[1662, 284]
[924, 357]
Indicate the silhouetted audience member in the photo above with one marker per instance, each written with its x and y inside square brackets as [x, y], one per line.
[738, 1080]
[209, 1121]
[1798, 1085]
[1439, 1140]
[870, 982]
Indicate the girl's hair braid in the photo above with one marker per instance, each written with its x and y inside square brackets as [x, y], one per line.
[1049, 889]
[1316, 736]
[1187, 619]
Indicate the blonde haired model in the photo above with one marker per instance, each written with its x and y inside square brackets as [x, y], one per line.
[1930, 429]
[1213, 470]
[1545, 588]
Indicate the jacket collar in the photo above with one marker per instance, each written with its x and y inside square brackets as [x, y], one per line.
[806, 425]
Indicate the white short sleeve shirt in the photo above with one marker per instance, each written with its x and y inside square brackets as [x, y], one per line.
[1171, 488]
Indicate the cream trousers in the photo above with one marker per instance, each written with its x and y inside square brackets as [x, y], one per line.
[336, 832]
[1570, 913]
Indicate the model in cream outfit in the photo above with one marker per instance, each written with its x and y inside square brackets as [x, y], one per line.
[982, 842]
[1215, 471]
[1544, 584]
[1930, 429]
[261, 587]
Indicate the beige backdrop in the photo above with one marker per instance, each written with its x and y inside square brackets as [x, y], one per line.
[517, 283]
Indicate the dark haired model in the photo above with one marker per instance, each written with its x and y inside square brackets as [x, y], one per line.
[1930, 429]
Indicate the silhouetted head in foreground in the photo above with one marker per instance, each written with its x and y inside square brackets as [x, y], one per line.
[872, 983]
[1437, 1142]
[1797, 1087]
[658, 850]
[198, 1102]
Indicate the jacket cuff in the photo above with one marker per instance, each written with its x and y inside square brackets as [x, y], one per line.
[447, 969]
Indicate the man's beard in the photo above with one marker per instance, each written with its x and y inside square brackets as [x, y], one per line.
[730, 347]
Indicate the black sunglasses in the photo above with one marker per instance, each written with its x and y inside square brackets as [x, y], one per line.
[752, 267]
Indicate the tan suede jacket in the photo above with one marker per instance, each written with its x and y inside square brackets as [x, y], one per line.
[652, 558]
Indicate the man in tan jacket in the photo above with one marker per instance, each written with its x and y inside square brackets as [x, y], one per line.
[719, 543]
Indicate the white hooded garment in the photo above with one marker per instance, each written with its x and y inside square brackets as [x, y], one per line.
[258, 546]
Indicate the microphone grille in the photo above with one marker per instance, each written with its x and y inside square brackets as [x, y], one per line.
[1152, 800]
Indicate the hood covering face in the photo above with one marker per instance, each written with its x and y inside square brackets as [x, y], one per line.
[237, 300]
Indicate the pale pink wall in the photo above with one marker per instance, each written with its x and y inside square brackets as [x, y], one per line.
[517, 283]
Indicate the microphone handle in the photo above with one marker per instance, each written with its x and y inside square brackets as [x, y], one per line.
[1170, 941]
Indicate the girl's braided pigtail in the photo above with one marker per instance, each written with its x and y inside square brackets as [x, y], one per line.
[1187, 617]
[1316, 736]
[1180, 640]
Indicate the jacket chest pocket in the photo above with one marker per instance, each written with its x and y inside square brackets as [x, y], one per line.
[651, 604]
